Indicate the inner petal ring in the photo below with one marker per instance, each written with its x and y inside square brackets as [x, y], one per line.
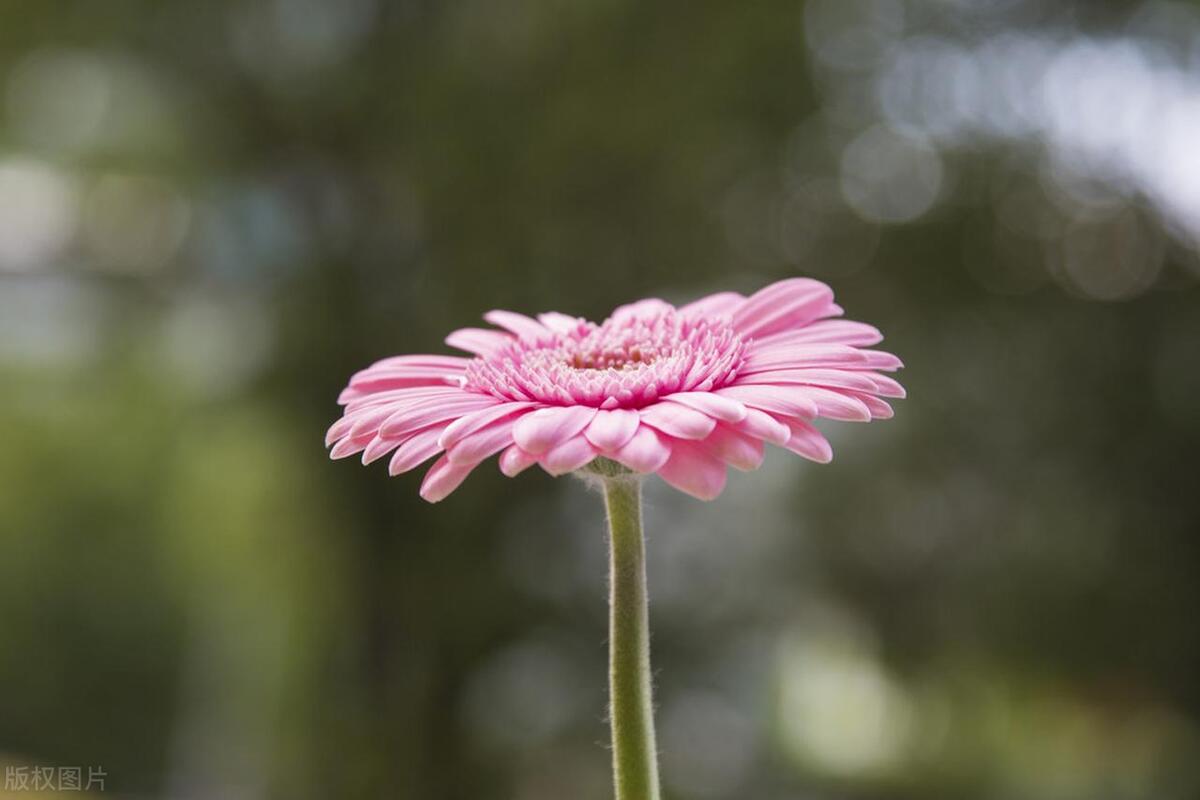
[625, 362]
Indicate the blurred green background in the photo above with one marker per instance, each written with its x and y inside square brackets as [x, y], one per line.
[211, 213]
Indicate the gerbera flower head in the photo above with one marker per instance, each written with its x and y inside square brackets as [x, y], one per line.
[682, 392]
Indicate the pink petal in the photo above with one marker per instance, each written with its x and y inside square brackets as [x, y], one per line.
[714, 305]
[514, 461]
[678, 421]
[837, 405]
[803, 356]
[711, 405]
[694, 470]
[351, 445]
[878, 409]
[786, 304]
[837, 378]
[478, 419]
[395, 400]
[762, 425]
[427, 412]
[378, 448]
[569, 456]
[480, 341]
[878, 359]
[374, 381]
[416, 450]
[481, 444]
[610, 430]
[523, 326]
[377, 380]
[427, 360]
[807, 441]
[369, 420]
[338, 430]
[650, 307]
[443, 478]
[645, 452]
[787, 400]
[396, 396]
[828, 331]
[887, 387]
[734, 448]
[559, 323]
[539, 431]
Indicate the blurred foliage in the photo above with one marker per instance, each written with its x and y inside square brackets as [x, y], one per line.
[212, 213]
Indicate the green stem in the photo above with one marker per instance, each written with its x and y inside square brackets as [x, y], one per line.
[635, 759]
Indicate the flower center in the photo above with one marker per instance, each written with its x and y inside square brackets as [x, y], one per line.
[619, 358]
[628, 361]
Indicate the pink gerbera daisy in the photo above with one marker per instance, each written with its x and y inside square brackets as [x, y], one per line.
[681, 392]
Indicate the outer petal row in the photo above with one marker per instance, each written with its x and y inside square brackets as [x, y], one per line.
[689, 448]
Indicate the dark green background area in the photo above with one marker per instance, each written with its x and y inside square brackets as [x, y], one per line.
[213, 213]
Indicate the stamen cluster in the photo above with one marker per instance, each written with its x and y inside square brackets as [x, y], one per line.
[625, 362]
